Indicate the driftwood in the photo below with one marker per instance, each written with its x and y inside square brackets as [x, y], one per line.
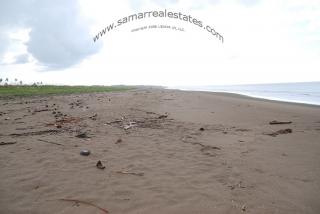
[45, 141]
[7, 143]
[282, 131]
[84, 202]
[82, 135]
[41, 110]
[275, 122]
[50, 131]
[162, 116]
[130, 125]
[131, 173]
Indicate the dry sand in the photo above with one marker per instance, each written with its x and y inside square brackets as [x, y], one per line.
[156, 158]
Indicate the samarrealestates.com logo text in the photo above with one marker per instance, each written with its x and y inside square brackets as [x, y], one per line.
[161, 14]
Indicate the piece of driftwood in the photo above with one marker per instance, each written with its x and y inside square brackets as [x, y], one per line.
[84, 202]
[50, 131]
[131, 173]
[115, 121]
[282, 131]
[275, 122]
[41, 110]
[45, 141]
[130, 125]
[162, 116]
[7, 143]
[82, 135]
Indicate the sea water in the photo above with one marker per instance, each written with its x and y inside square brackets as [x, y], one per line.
[303, 92]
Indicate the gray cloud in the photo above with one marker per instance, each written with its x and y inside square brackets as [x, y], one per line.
[59, 36]
[21, 59]
[3, 43]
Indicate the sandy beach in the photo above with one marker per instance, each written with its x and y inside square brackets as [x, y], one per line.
[160, 151]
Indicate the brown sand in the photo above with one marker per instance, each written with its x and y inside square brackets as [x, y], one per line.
[156, 158]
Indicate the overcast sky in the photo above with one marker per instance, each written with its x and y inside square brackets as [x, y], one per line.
[265, 41]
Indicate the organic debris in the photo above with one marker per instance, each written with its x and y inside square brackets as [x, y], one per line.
[77, 103]
[65, 120]
[282, 131]
[58, 126]
[131, 173]
[82, 135]
[162, 116]
[239, 185]
[94, 117]
[99, 165]
[205, 149]
[130, 125]
[84, 202]
[40, 110]
[7, 143]
[243, 208]
[45, 141]
[118, 141]
[275, 122]
[242, 130]
[115, 121]
[50, 131]
[145, 122]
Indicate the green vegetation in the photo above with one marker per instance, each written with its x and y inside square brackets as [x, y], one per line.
[26, 90]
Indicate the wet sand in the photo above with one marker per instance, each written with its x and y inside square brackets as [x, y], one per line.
[164, 151]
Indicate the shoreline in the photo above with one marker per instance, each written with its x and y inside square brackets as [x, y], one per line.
[251, 97]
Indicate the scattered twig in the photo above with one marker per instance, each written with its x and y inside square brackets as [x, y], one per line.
[94, 117]
[130, 125]
[242, 130]
[115, 121]
[45, 141]
[205, 149]
[7, 143]
[50, 131]
[84, 202]
[131, 173]
[41, 110]
[82, 135]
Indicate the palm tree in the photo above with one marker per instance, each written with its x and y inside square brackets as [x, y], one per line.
[0, 80]
[16, 80]
[20, 82]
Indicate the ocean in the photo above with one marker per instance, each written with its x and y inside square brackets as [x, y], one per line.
[303, 92]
